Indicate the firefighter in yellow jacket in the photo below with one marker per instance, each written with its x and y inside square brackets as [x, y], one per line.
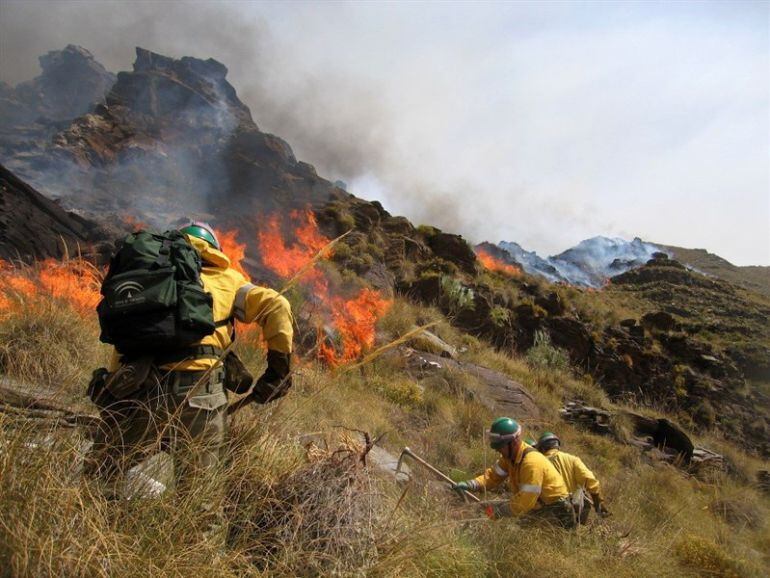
[169, 401]
[537, 488]
[578, 478]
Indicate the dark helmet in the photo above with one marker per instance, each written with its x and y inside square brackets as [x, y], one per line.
[547, 441]
[203, 231]
[503, 431]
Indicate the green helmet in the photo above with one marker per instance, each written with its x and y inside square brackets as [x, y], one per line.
[504, 430]
[203, 231]
[548, 440]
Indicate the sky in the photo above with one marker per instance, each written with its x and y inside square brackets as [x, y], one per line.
[540, 123]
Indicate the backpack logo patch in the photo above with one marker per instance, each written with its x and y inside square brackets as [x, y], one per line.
[128, 292]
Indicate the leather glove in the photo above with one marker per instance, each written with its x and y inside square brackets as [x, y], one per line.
[276, 380]
[97, 390]
[601, 510]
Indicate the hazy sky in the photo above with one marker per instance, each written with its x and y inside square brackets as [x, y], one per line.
[541, 123]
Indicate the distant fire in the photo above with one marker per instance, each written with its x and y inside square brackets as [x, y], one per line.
[75, 282]
[134, 223]
[494, 264]
[353, 319]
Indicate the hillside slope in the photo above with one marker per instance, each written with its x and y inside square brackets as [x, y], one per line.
[755, 278]
[306, 491]
[34, 227]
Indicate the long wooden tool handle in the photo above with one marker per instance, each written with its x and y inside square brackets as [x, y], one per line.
[436, 471]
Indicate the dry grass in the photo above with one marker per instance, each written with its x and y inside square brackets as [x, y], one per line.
[291, 512]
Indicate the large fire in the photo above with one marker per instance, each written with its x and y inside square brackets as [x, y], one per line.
[494, 264]
[352, 319]
[77, 282]
[74, 281]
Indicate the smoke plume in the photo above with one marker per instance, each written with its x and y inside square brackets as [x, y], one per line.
[543, 124]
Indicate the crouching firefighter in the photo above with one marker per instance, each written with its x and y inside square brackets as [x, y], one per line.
[537, 488]
[169, 304]
[580, 481]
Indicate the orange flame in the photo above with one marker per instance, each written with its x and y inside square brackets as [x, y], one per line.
[75, 282]
[494, 264]
[234, 250]
[134, 223]
[353, 319]
[286, 260]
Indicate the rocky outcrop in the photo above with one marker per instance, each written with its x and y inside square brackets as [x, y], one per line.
[496, 391]
[172, 138]
[659, 438]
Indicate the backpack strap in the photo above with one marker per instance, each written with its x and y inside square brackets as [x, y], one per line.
[164, 254]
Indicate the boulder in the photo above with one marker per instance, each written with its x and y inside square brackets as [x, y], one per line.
[454, 249]
[499, 393]
[658, 320]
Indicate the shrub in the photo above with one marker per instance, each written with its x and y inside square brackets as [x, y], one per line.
[403, 391]
[543, 355]
[456, 295]
[500, 316]
[706, 556]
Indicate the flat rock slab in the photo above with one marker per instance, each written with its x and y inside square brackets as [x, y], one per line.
[498, 392]
[385, 462]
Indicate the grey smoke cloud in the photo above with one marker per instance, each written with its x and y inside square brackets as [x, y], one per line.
[542, 124]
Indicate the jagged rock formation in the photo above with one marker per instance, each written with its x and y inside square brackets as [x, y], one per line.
[70, 84]
[34, 227]
[171, 139]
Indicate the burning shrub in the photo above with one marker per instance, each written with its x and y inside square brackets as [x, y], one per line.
[234, 250]
[345, 326]
[494, 264]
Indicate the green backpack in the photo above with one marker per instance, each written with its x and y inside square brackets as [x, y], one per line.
[153, 298]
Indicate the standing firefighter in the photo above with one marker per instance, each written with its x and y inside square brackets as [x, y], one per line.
[537, 488]
[169, 306]
[577, 477]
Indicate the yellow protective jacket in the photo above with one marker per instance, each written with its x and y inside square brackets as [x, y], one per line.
[575, 473]
[531, 477]
[235, 296]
